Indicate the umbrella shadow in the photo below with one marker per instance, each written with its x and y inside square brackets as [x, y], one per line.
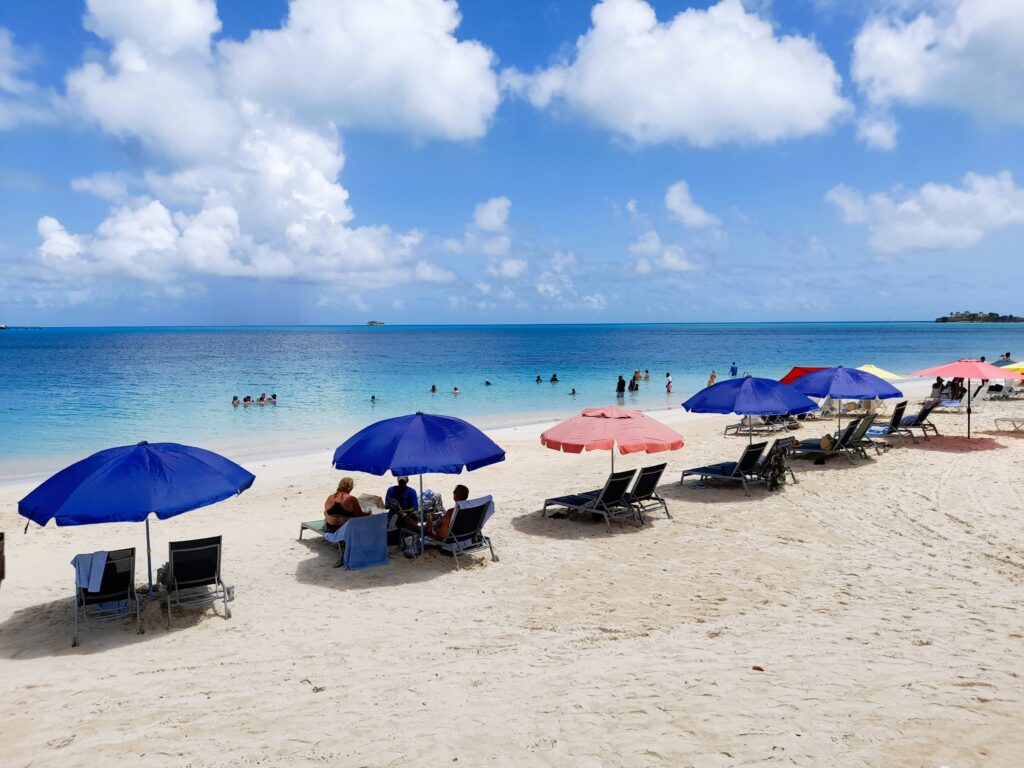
[569, 528]
[318, 569]
[951, 444]
[46, 629]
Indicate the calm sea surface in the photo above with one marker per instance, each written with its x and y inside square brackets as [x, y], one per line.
[68, 392]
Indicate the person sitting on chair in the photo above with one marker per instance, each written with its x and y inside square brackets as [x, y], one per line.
[439, 529]
[340, 507]
[401, 498]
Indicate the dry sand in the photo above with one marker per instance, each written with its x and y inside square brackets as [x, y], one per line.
[883, 601]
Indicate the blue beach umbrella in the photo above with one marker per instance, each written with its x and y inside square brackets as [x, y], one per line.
[418, 444]
[750, 396]
[842, 383]
[129, 483]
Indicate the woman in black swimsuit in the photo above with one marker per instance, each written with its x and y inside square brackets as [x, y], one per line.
[341, 506]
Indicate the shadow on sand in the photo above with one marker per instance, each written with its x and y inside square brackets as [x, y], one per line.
[318, 569]
[955, 444]
[46, 629]
[570, 528]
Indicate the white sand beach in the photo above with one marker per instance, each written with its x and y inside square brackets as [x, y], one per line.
[883, 601]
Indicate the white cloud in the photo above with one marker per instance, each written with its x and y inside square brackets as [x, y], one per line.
[936, 216]
[510, 268]
[704, 77]
[394, 65]
[246, 190]
[595, 301]
[106, 186]
[492, 215]
[681, 205]
[878, 131]
[22, 102]
[563, 261]
[158, 84]
[652, 251]
[963, 54]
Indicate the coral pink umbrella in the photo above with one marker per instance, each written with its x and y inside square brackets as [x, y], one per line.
[602, 429]
[969, 369]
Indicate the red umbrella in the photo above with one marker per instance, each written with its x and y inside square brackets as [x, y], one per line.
[969, 369]
[797, 371]
[602, 429]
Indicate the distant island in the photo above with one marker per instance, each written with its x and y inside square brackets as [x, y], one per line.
[375, 322]
[978, 317]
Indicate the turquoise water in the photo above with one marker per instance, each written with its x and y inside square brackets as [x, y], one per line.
[73, 391]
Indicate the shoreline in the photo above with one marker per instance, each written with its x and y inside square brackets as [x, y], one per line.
[283, 446]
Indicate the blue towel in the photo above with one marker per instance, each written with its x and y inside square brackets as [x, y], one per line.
[89, 570]
[366, 541]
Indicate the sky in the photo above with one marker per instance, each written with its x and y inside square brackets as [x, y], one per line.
[191, 162]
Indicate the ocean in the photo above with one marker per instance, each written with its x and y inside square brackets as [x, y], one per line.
[67, 392]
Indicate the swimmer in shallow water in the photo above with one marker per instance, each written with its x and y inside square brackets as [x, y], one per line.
[433, 389]
[235, 401]
[573, 393]
[456, 391]
[487, 383]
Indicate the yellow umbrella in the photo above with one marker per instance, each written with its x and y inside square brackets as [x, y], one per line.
[880, 372]
[1016, 367]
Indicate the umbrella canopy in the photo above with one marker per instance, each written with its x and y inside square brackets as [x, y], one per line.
[750, 396]
[970, 369]
[1015, 367]
[128, 483]
[418, 444]
[602, 429]
[796, 372]
[842, 383]
[879, 372]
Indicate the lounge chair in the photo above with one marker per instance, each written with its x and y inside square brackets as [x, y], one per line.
[783, 445]
[114, 597]
[859, 442]
[887, 430]
[743, 471]
[644, 495]
[1003, 424]
[918, 421]
[316, 526]
[610, 502]
[813, 449]
[193, 575]
[465, 531]
[763, 424]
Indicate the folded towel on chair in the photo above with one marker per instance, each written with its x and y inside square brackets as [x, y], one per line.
[365, 539]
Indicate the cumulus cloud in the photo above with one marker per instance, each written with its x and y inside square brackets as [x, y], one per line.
[393, 64]
[681, 205]
[492, 215]
[510, 268]
[654, 253]
[936, 216]
[246, 188]
[705, 77]
[22, 102]
[963, 54]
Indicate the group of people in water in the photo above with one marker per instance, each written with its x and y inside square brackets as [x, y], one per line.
[246, 401]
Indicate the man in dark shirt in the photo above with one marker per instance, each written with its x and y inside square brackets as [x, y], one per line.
[401, 497]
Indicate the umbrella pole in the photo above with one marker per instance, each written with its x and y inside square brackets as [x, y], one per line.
[419, 509]
[969, 409]
[149, 558]
[840, 425]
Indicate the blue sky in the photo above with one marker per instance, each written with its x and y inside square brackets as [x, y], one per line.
[427, 161]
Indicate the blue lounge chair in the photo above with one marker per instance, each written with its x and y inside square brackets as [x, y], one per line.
[610, 502]
[743, 471]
